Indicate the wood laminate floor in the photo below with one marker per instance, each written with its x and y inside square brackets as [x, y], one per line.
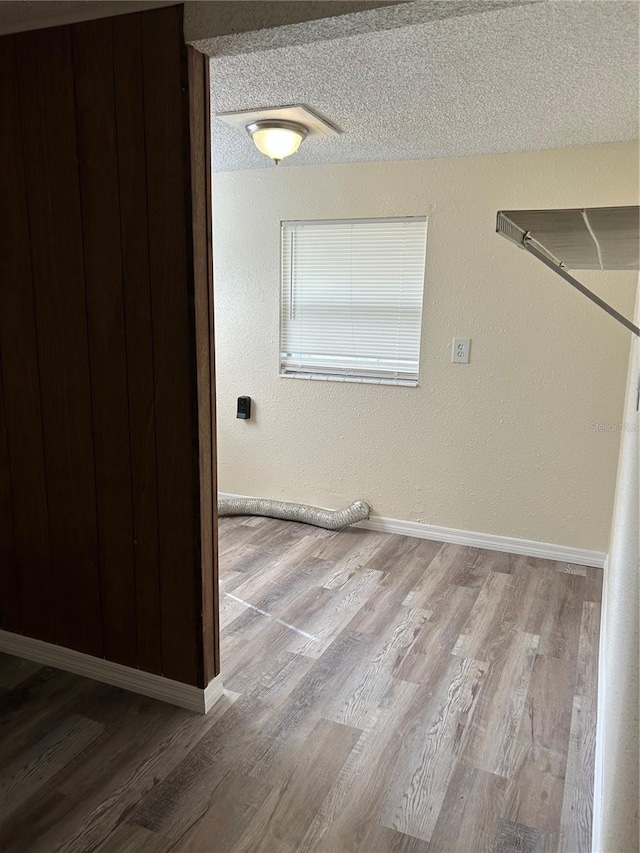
[384, 695]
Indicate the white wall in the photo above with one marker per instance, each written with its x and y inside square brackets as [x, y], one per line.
[509, 444]
[617, 787]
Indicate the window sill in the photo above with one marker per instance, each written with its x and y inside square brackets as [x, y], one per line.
[358, 380]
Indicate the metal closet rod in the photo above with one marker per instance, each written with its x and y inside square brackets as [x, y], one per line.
[527, 243]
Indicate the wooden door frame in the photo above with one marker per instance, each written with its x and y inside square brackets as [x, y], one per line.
[201, 218]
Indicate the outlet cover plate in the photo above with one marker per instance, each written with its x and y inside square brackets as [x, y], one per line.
[460, 350]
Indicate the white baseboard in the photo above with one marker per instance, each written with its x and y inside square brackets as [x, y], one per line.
[508, 544]
[212, 692]
[527, 547]
[186, 696]
[601, 724]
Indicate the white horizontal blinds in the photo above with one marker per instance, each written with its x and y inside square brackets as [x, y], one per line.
[352, 298]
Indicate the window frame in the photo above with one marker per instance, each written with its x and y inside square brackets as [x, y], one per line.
[322, 375]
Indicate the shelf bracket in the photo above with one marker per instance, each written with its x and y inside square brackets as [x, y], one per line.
[561, 232]
[559, 269]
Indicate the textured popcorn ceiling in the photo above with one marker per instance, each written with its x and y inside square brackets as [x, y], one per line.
[19, 15]
[210, 17]
[241, 26]
[535, 76]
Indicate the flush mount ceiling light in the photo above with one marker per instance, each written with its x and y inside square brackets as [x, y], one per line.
[279, 131]
[276, 138]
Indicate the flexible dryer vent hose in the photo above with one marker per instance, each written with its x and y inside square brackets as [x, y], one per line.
[330, 519]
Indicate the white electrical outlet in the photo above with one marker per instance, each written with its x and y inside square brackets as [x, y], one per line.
[460, 350]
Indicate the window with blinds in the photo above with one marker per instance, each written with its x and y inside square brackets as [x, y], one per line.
[351, 299]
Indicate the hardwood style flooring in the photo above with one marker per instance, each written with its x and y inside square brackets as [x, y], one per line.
[384, 695]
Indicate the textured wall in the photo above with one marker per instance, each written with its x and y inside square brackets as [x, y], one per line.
[617, 787]
[510, 444]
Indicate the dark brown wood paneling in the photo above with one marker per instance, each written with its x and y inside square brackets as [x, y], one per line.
[20, 369]
[100, 196]
[107, 426]
[199, 132]
[9, 591]
[169, 210]
[46, 90]
[127, 35]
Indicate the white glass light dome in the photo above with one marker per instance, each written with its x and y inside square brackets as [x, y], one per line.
[277, 139]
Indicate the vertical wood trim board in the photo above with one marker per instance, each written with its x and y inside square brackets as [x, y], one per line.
[203, 275]
[47, 104]
[134, 241]
[21, 377]
[107, 433]
[214, 581]
[9, 591]
[100, 196]
[164, 73]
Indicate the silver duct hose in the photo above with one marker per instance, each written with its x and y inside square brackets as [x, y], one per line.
[330, 519]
